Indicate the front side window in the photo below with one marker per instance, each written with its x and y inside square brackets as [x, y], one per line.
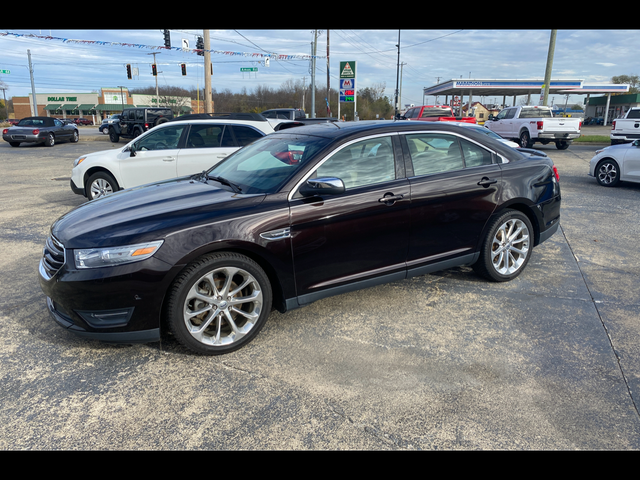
[363, 163]
[162, 139]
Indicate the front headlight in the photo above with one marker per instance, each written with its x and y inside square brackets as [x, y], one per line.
[112, 256]
[78, 161]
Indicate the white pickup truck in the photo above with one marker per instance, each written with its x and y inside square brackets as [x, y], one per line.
[529, 124]
[627, 128]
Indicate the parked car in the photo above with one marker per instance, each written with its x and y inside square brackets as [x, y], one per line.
[531, 124]
[616, 163]
[104, 126]
[435, 113]
[135, 121]
[44, 130]
[13, 121]
[83, 121]
[170, 150]
[296, 216]
[627, 128]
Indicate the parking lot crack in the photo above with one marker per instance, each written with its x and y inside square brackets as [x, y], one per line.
[604, 326]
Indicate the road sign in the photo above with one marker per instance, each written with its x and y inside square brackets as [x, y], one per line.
[347, 90]
[249, 69]
[347, 69]
[5, 71]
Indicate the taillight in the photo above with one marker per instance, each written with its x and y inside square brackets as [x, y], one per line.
[613, 125]
[580, 126]
[5, 131]
[555, 172]
[539, 125]
[35, 132]
[146, 126]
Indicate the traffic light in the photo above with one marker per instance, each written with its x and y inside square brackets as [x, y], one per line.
[154, 71]
[167, 38]
[184, 68]
[200, 45]
[129, 71]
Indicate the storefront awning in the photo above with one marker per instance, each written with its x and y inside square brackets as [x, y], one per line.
[69, 106]
[52, 107]
[85, 107]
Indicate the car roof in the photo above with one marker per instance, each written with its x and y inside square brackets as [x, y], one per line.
[343, 131]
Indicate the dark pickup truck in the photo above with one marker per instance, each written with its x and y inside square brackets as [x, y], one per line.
[295, 114]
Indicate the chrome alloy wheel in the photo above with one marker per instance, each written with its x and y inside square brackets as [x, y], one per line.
[607, 173]
[510, 246]
[222, 306]
[100, 187]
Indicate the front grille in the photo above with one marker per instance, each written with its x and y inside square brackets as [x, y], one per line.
[52, 256]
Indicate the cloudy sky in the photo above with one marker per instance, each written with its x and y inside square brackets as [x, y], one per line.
[64, 61]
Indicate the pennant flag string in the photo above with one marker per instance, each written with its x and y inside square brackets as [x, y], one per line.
[273, 56]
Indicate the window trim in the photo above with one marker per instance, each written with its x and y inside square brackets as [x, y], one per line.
[405, 147]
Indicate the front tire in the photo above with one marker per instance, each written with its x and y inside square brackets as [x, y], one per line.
[219, 303]
[608, 173]
[507, 248]
[100, 184]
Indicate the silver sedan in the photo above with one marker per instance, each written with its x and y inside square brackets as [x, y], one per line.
[616, 163]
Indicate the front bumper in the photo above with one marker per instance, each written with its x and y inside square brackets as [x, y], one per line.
[121, 304]
[75, 189]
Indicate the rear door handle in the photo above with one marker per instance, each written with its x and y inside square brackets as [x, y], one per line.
[390, 199]
[486, 181]
[168, 159]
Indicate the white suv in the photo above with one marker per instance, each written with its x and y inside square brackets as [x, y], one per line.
[181, 147]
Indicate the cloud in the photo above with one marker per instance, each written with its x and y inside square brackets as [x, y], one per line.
[606, 64]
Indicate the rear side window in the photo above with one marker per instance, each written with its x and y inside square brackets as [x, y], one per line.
[246, 135]
[434, 153]
[205, 136]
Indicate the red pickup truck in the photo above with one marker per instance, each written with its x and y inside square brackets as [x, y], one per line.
[435, 113]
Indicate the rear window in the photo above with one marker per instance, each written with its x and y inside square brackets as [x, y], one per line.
[634, 114]
[435, 112]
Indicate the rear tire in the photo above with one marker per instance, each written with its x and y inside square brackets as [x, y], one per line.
[525, 140]
[50, 140]
[113, 136]
[507, 247]
[562, 145]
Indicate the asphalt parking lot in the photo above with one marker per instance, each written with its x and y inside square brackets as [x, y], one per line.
[448, 361]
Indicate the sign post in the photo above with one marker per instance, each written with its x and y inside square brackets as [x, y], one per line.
[348, 86]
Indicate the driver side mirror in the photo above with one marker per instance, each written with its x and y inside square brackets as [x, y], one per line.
[322, 186]
[132, 150]
[636, 143]
[491, 117]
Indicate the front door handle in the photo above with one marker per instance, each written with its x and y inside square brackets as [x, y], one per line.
[168, 159]
[486, 181]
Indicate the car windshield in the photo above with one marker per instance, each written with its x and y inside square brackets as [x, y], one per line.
[268, 163]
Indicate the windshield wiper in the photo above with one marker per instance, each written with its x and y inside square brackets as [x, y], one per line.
[224, 181]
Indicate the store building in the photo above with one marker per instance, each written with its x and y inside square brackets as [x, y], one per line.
[94, 106]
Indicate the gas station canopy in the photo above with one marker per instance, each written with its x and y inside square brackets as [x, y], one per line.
[520, 87]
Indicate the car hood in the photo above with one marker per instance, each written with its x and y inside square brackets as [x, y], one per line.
[149, 212]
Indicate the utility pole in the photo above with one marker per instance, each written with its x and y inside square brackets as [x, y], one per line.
[397, 77]
[547, 73]
[313, 74]
[328, 82]
[207, 73]
[33, 86]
